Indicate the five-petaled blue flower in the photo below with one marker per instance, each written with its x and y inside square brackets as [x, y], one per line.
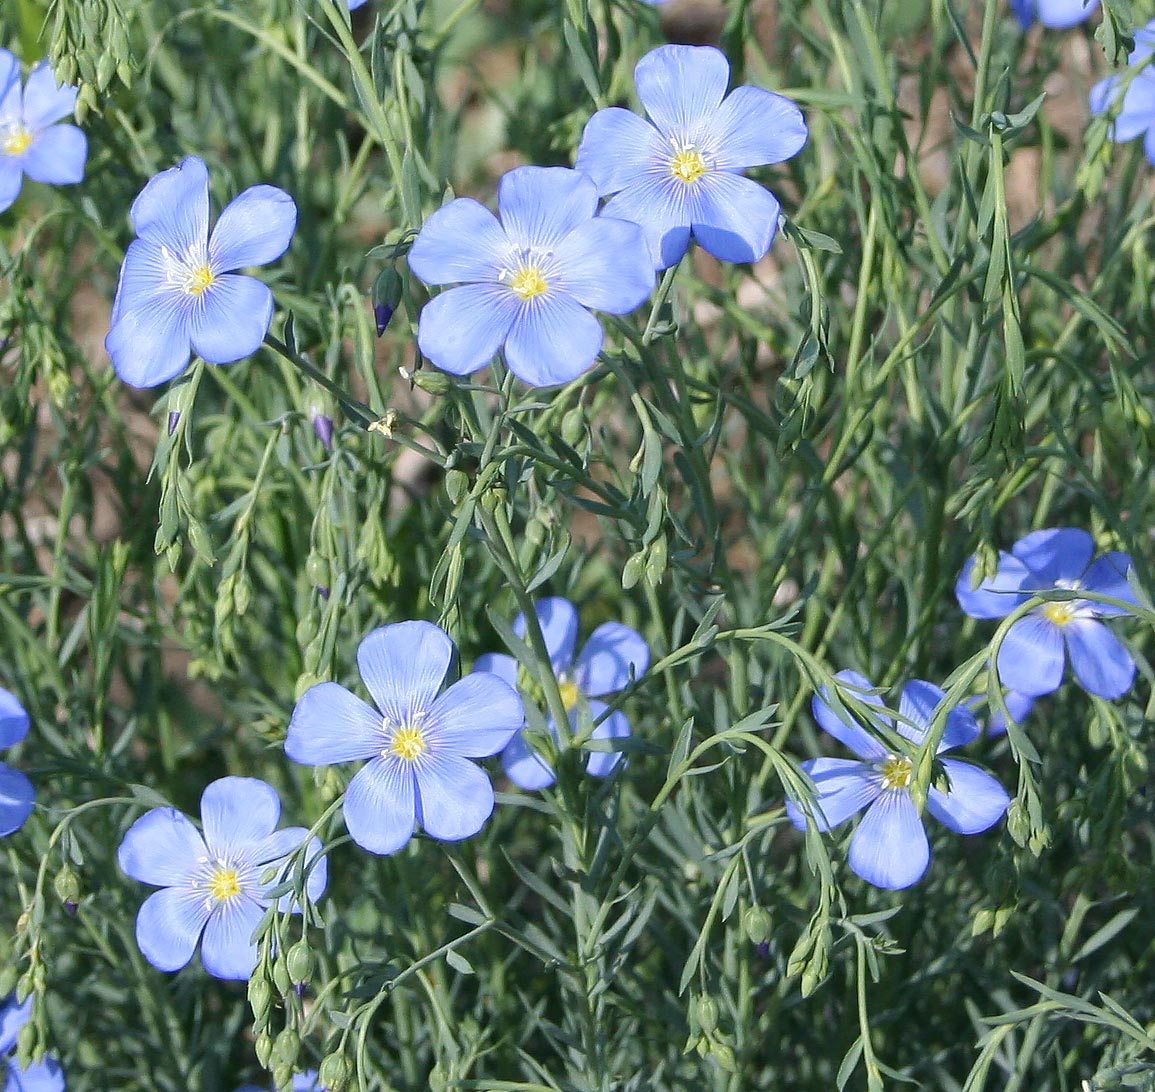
[16, 792]
[31, 143]
[1034, 651]
[214, 884]
[680, 172]
[612, 656]
[526, 282]
[42, 1076]
[890, 848]
[1136, 114]
[1056, 14]
[177, 287]
[419, 745]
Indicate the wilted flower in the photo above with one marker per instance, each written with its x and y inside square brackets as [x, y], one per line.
[42, 1076]
[890, 848]
[16, 792]
[1034, 651]
[31, 143]
[418, 745]
[527, 282]
[1136, 114]
[214, 884]
[612, 656]
[680, 173]
[1056, 14]
[177, 289]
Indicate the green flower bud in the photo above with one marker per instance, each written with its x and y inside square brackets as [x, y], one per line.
[286, 1048]
[300, 963]
[705, 1012]
[757, 924]
[281, 979]
[335, 1072]
[67, 887]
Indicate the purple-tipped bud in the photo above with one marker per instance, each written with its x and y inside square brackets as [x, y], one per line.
[173, 418]
[382, 312]
[70, 908]
[386, 296]
[323, 591]
[323, 427]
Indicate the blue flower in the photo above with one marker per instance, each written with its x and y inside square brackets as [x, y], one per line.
[354, 4]
[1034, 651]
[611, 656]
[1137, 111]
[1018, 705]
[177, 291]
[890, 849]
[680, 173]
[418, 745]
[30, 142]
[526, 282]
[1056, 14]
[302, 1082]
[16, 792]
[42, 1076]
[214, 884]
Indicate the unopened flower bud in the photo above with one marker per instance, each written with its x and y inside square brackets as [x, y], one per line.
[334, 1073]
[756, 922]
[386, 296]
[323, 427]
[300, 963]
[67, 888]
[173, 418]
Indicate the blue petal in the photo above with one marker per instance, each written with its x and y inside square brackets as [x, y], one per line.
[1101, 663]
[145, 280]
[455, 797]
[404, 665]
[540, 206]
[459, 243]
[42, 1076]
[255, 227]
[16, 799]
[169, 924]
[14, 721]
[752, 128]
[1108, 576]
[10, 91]
[889, 849]
[232, 319]
[331, 725]
[605, 264]
[150, 346]
[558, 620]
[975, 802]
[228, 950]
[497, 663]
[657, 204]
[615, 726]
[612, 653]
[733, 218]
[1149, 145]
[45, 101]
[618, 149]
[236, 811]
[1061, 14]
[1018, 705]
[682, 86]
[1059, 554]
[476, 717]
[162, 847]
[1144, 46]
[1024, 11]
[173, 208]
[11, 179]
[524, 766]
[56, 156]
[9, 75]
[307, 1081]
[844, 788]
[918, 703]
[852, 735]
[1031, 657]
[277, 847]
[462, 329]
[552, 340]
[997, 595]
[380, 806]
[12, 1016]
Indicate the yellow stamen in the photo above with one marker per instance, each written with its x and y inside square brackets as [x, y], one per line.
[527, 282]
[688, 165]
[897, 772]
[16, 141]
[408, 742]
[223, 884]
[1059, 613]
[569, 693]
[197, 279]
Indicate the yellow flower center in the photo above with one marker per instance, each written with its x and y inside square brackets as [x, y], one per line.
[569, 693]
[688, 165]
[16, 140]
[1059, 613]
[223, 884]
[527, 282]
[408, 743]
[198, 278]
[897, 772]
